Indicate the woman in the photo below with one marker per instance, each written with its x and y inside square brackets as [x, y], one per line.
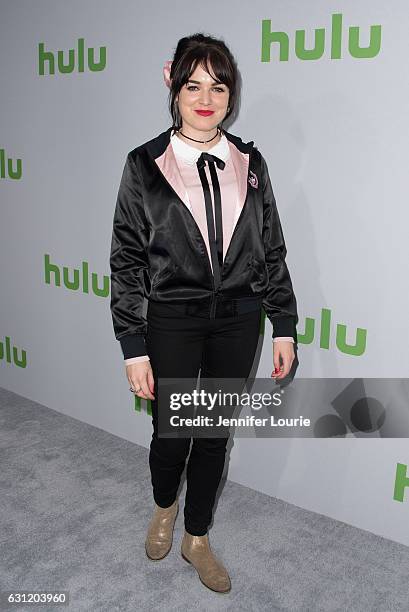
[196, 231]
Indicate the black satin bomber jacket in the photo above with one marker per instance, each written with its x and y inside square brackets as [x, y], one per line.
[158, 251]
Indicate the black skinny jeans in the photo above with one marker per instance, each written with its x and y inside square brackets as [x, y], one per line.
[180, 345]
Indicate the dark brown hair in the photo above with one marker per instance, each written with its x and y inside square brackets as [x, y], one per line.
[199, 49]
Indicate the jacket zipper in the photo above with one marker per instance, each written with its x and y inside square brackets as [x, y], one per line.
[213, 304]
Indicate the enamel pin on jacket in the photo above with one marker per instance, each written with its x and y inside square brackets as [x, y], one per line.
[158, 251]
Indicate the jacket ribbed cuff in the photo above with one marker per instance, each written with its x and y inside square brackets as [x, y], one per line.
[133, 345]
[284, 326]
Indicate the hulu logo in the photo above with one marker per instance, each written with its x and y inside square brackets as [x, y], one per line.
[401, 482]
[75, 59]
[355, 50]
[307, 337]
[11, 354]
[75, 279]
[6, 167]
[138, 405]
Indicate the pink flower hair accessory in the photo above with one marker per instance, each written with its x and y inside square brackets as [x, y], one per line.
[166, 73]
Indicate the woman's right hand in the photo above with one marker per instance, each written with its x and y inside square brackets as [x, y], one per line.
[140, 376]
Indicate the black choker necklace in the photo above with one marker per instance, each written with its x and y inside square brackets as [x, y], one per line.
[201, 141]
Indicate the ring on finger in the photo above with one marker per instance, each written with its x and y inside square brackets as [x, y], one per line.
[135, 390]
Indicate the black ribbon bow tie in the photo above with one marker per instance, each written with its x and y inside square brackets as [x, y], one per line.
[215, 240]
[208, 157]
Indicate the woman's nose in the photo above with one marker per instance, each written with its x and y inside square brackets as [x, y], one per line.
[205, 97]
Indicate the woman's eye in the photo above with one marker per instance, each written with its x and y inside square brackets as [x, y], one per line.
[193, 87]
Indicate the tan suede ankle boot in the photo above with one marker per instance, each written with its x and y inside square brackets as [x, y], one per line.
[196, 550]
[160, 531]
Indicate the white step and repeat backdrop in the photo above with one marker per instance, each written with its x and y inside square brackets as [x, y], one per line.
[333, 125]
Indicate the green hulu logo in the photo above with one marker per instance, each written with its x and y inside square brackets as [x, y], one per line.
[355, 50]
[6, 167]
[73, 59]
[138, 405]
[75, 279]
[401, 482]
[307, 337]
[10, 354]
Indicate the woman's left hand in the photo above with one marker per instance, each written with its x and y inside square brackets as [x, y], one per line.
[283, 350]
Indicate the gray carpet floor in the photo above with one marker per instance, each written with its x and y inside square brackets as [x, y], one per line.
[75, 504]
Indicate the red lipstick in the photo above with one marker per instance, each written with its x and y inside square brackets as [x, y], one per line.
[204, 113]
